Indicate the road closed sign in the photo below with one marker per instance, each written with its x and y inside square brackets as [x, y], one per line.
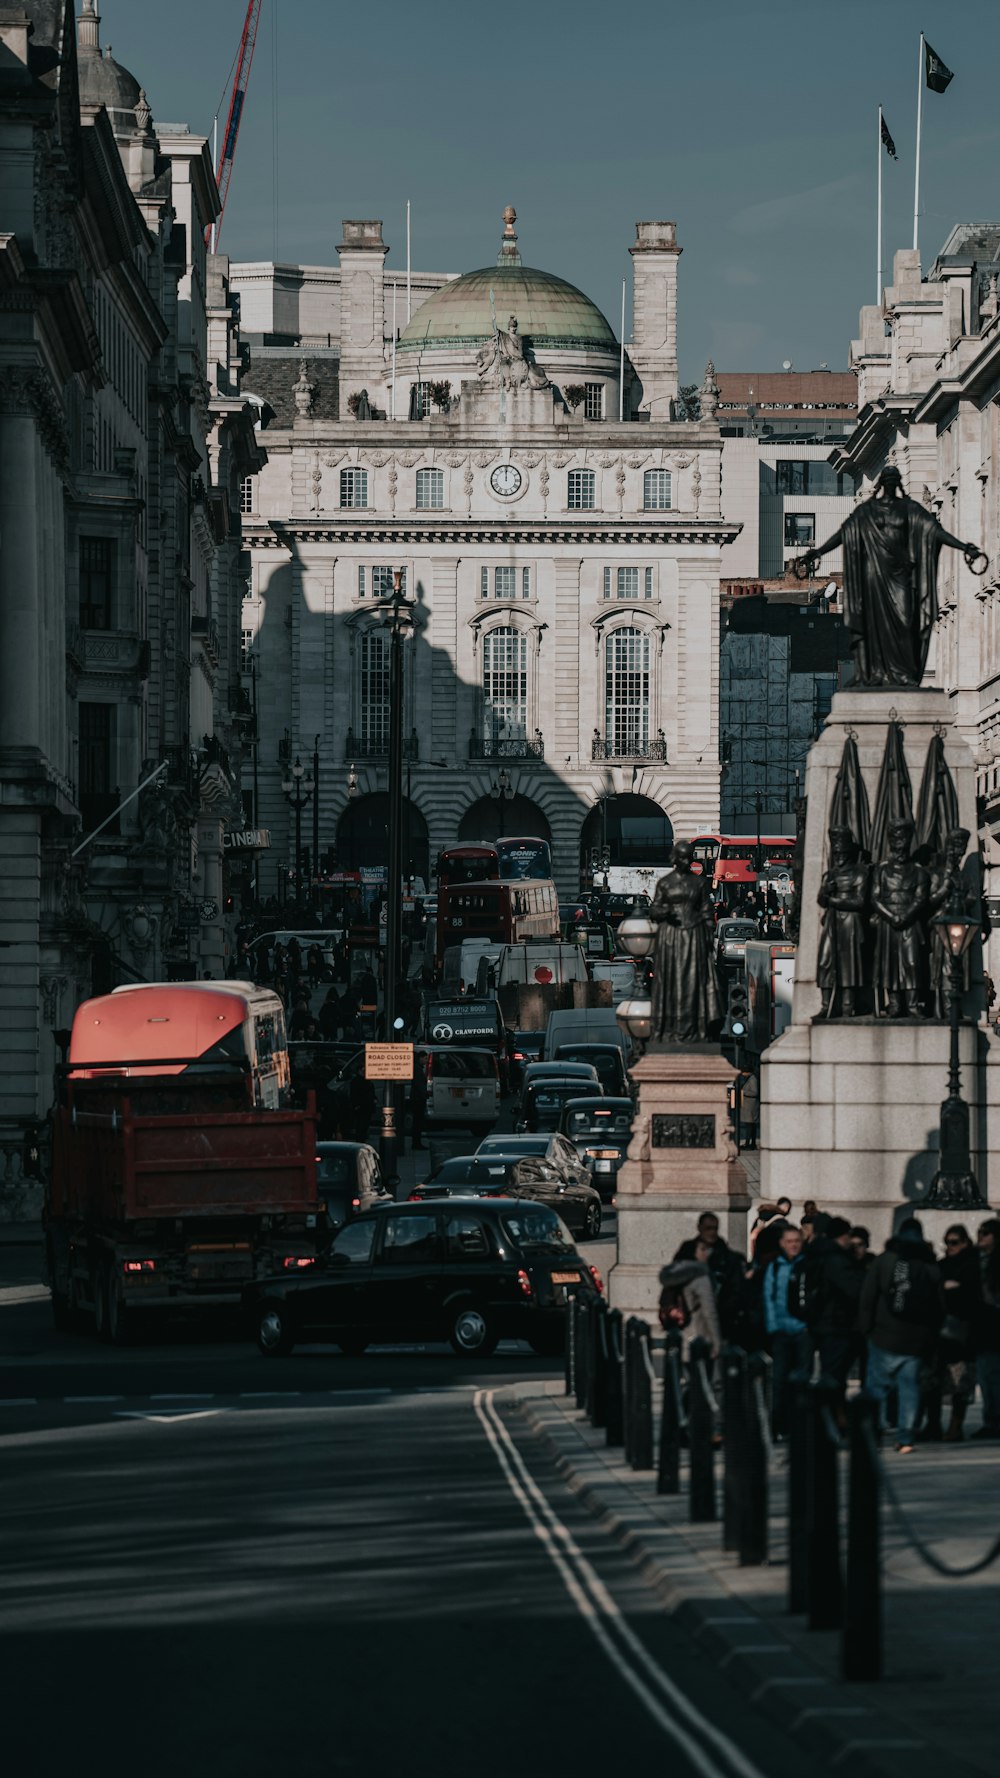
[388, 1061]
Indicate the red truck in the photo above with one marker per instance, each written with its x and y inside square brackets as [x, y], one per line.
[180, 1171]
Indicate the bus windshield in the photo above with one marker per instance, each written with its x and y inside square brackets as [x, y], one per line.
[467, 864]
[528, 858]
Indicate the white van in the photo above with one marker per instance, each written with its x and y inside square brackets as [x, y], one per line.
[543, 961]
[460, 970]
[463, 1085]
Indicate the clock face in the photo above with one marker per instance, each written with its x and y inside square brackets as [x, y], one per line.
[506, 480]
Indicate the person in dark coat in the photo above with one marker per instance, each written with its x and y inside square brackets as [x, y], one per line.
[329, 1016]
[725, 1268]
[953, 1373]
[986, 1332]
[901, 1311]
[839, 1283]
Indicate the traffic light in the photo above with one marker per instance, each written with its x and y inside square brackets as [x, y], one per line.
[737, 1011]
[595, 858]
[304, 857]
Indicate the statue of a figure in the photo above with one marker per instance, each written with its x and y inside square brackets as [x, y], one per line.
[303, 392]
[506, 356]
[686, 998]
[900, 893]
[843, 896]
[891, 546]
[710, 394]
[156, 814]
[948, 889]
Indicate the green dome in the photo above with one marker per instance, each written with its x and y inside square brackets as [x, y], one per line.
[549, 311]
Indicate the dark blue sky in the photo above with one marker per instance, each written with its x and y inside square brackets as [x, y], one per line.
[751, 126]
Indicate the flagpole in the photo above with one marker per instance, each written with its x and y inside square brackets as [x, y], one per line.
[408, 259]
[920, 121]
[878, 256]
[621, 362]
[393, 348]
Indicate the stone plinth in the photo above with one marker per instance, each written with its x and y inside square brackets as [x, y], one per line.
[681, 1161]
[850, 1107]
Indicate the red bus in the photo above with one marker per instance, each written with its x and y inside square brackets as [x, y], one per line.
[735, 858]
[467, 864]
[186, 1028]
[504, 913]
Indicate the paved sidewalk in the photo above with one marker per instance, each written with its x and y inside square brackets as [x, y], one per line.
[936, 1711]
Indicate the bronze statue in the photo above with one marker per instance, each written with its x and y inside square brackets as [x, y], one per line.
[900, 894]
[843, 896]
[891, 546]
[686, 998]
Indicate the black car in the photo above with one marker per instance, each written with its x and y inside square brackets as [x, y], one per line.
[462, 1173]
[522, 1047]
[600, 1131]
[542, 1101]
[606, 1058]
[469, 1270]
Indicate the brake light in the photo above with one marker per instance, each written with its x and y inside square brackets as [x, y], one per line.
[598, 1280]
[297, 1262]
[429, 1069]
[524, 1283]
[413, 1198]
[519, 1055]
[355, 1203]
[139, 1265]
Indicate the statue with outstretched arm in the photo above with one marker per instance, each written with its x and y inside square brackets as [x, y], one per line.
[891, 546]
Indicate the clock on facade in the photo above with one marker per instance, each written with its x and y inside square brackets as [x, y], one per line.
[506, 480]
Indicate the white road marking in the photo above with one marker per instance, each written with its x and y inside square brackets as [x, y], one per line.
[185, 1395]
[602, 1615]
[92, 1398]
[24, 1293]
[167, 1419]
[20, 1401]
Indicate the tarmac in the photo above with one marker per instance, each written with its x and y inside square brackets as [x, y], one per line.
[936, 1708]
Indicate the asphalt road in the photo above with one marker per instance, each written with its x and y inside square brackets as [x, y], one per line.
[373, 1569]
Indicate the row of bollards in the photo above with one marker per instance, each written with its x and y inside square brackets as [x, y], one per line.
[610, 1372]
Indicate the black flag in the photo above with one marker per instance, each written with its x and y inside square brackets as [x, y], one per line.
[938, 76]
[887, 141]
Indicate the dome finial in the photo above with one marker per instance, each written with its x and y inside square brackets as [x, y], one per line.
[508, 254]
[88, 28]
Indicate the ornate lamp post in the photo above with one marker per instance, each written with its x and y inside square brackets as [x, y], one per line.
[502, 791]
[637, 936]
[954, 1186]
[297, 789]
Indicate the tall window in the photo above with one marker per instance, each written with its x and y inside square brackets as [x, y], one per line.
[420, 401]
[626, 692]
[246, 494]
[656, 490]
[97, 573]
[247, 640]
[381, 583]
[593, 401]
[505, 685]
[430, 489]
[623, 583]
[800, 528]
[580, 490]
[354, 487]
[374, 690]
[97, 740]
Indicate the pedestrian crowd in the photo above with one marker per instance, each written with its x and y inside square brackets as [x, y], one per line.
[918, 1331]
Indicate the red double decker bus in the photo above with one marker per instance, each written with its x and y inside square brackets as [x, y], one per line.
[467, 864]
[504, 913]
[737, 859]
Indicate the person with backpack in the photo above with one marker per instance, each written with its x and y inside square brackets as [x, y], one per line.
[687, 1301]
[788, 1338]
[901, 1312]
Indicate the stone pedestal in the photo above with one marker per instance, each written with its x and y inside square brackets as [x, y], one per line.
[850, 1107]
[681, 1161]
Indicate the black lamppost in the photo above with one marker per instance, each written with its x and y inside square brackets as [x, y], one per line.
[954, 1186]
[315, 856]
[399, 612]
[297, 789]
[502, 791]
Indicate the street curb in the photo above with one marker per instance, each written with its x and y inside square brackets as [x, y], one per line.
[834, 1722]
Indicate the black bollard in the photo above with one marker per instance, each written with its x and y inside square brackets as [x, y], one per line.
[824, 1588]
[642, 1425]
[798, 1457]
[570, 1354]
[592, 1357]
[582, 1349]
[615, 1431]
[628, 1388]
[734, 1443]
[753, 1518]
[668, 1475]
[600, 1365]
[861, 1639]
[701, 1431]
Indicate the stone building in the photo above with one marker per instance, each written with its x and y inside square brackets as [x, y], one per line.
[928, 363]
[560, 533]
[123, 445]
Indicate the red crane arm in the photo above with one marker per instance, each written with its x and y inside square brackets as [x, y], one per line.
[227, 153]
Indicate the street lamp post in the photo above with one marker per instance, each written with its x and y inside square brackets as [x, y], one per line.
[399, 610]
[502, 791]
[636, 935]
[297, 790]
[955, 1186]
[315, 851]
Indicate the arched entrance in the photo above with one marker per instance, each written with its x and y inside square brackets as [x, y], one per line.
[363, 836]
[631, 829]
[493, 818]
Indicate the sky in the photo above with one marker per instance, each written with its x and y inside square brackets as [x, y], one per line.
[753, 127]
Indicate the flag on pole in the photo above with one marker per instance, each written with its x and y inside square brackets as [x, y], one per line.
[938, 76]
[887, 141]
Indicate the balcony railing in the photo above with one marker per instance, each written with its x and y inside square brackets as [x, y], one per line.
[356, 747]
[506, 746]
[624, 748]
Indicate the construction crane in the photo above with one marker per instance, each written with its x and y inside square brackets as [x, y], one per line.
[241, 80]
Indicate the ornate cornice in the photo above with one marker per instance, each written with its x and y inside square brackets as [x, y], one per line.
[672, 529]
[27, 392]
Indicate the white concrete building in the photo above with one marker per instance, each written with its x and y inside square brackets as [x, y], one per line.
[561, 535]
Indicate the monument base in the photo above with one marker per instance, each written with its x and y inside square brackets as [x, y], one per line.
[681, 1161]
[850, 1117]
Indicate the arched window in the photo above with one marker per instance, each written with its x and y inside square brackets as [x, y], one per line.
[505, 685]
[373, 699]
[626, 694]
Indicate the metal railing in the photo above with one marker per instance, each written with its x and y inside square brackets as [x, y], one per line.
[506, 747]
[624, 748]
[355, 747]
